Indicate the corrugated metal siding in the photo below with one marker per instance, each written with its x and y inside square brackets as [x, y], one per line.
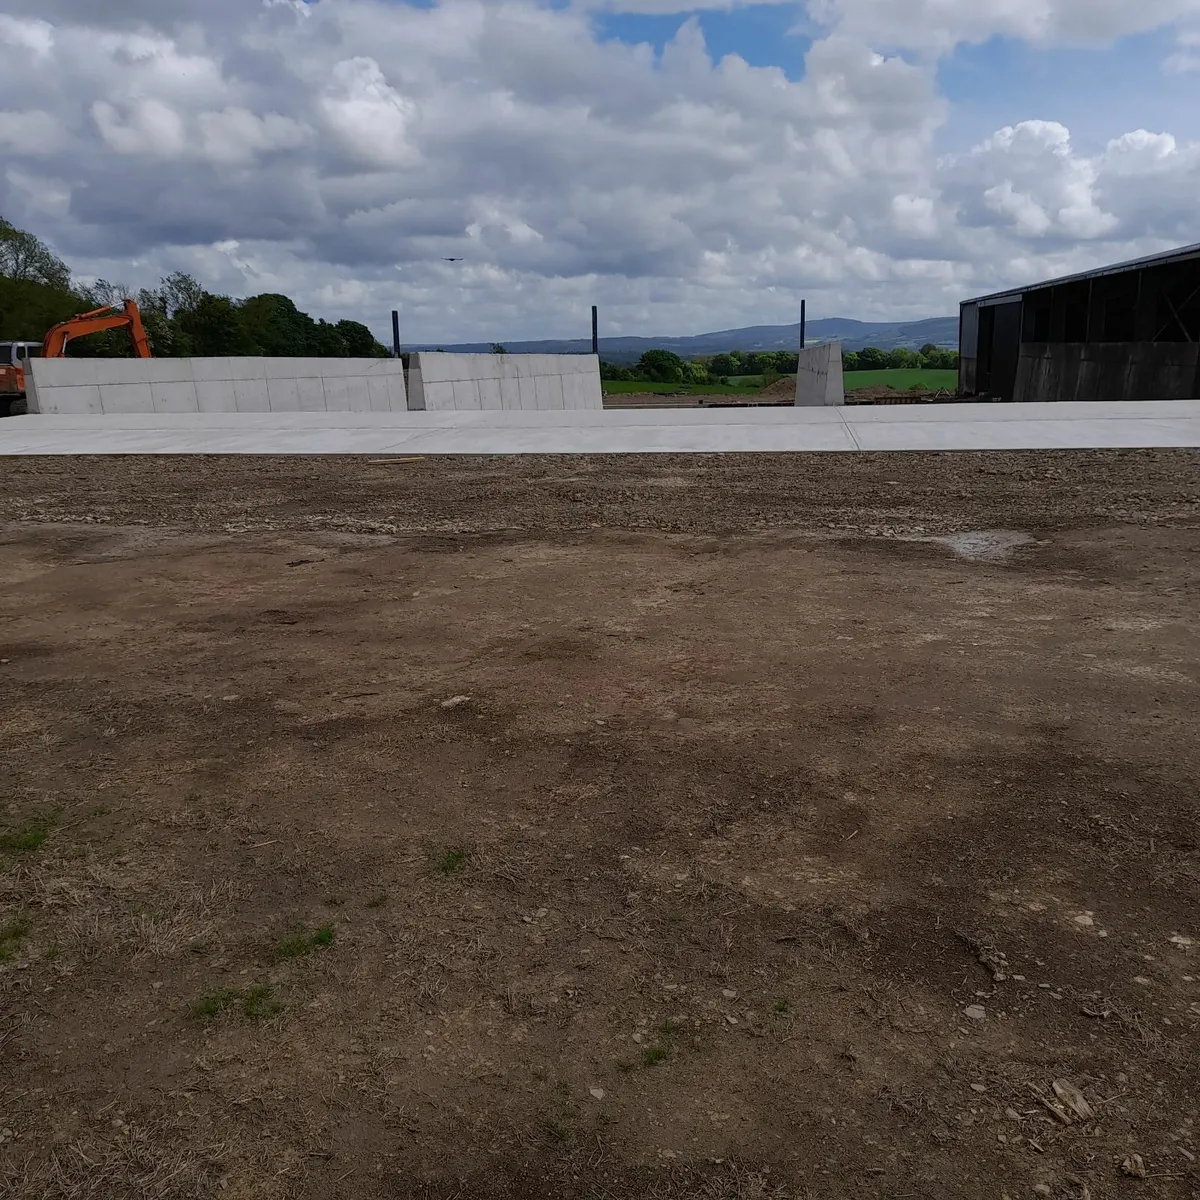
[1108, 371]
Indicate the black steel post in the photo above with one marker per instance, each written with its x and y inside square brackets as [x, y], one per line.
[396, 332]
[803, 316]
[595, 330]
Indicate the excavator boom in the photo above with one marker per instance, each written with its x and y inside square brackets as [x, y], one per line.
[55, 343]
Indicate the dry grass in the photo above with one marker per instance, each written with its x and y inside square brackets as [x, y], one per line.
[138, 1163]
[88, 908]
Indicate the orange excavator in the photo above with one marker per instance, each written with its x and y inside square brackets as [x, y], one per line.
[14, 355]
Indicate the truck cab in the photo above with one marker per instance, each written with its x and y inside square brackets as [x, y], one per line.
[14, 357]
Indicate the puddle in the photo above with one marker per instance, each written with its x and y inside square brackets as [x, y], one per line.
[977, 545]
[984, 545]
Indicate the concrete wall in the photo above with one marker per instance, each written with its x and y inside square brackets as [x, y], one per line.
[819, 376]
[476, 382]
[215, 385]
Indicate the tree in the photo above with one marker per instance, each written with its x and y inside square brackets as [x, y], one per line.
[498, 349]
[613, 371]
[660, 366]
[722, 364]
[28, 308]
[214, 328]
[277, 326]
[24, 257]
[929, 349]
[180, 293]
[327, 341]
[871, 358]
[850, 361]
[900, 359]
[695, 372]
[360, 341]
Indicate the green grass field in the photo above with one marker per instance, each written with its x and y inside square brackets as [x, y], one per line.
[750, 385]
[614, 387]
[902, 380]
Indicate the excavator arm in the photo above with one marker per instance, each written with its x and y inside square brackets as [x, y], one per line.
[128, 316]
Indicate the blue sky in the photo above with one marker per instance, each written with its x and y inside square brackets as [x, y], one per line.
[1097, 92]
[762, 34]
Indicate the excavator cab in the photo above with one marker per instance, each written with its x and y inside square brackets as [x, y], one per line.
[13, 357]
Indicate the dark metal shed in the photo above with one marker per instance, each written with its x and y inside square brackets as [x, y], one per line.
[1126, 332]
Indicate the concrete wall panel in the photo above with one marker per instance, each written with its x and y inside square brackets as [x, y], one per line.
[489, 382]
[215, 396]
[251, 395]
[819, 376]
[510, 392]
[489, 393]
[378, 396]
[133, 397]
[172, 397]
[178, 385]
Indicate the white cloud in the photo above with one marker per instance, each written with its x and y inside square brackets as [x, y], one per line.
[369, 116]
[340, 151]
[32, 134]
[236, 136]
[30, 36]
[942, 24]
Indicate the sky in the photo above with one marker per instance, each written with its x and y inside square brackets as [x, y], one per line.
[686, 168]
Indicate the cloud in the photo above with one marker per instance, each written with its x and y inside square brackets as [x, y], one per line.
[339, 151]
[942, 24]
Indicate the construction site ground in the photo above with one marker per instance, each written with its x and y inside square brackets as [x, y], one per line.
[712, 827]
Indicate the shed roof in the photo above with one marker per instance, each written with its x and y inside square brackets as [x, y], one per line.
[1182, 254]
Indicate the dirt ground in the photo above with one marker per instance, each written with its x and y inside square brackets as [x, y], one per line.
[704, 828]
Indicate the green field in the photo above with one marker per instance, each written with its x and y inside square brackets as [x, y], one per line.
[902, 380]
[622, 387]
[749, 385]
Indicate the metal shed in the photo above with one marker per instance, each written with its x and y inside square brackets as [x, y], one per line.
[1125, 332]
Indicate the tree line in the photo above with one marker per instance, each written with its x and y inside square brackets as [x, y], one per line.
[181, 317]
[664, 366]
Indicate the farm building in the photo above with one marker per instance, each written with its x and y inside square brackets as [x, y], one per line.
[1126, 332]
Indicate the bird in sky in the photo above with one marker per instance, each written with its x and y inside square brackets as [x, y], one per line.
[451, 260]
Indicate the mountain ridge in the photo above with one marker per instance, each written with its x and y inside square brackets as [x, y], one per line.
[854, 335]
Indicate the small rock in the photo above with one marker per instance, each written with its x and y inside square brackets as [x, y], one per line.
[975, 1011]
[979, 1087]
[637, 1037]
[1085, 920]
[1012, 1114]
[1043, 1189]
[596, 1093]
[732, 1019]
[1134, 1166]
[729, 993]
[1144, 980]
[456, 701]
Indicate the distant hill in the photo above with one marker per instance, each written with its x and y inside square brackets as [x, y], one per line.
[854, 335]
